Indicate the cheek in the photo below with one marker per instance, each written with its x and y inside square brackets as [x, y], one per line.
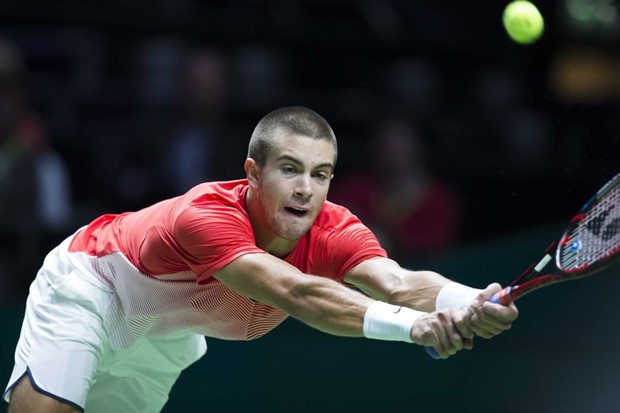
[321, 192]
[269, 195]
[276, 188]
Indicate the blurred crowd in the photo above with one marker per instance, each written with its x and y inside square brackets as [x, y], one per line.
[436, 150]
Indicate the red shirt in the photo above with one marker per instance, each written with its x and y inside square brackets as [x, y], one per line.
[195, 235]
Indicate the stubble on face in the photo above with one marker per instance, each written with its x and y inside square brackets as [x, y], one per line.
[292, 188]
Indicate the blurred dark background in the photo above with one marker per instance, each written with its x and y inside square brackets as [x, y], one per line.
[454, 142]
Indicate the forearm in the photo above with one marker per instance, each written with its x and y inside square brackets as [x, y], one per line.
[327, 306]
[417, 289]
[317, 301]
[330, 307]
[429, 291]
[383, 279]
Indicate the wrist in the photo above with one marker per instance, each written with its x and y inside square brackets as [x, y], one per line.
[384, 321]
[456, 295]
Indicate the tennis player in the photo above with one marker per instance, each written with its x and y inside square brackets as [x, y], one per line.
[122, 306]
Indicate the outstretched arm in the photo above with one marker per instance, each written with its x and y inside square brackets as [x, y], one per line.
[386, 280]
[317, 301]
[336, 309]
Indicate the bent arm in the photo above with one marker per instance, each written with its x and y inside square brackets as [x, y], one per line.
[317, 301]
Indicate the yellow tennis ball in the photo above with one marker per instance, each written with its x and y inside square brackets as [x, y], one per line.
[523, 22]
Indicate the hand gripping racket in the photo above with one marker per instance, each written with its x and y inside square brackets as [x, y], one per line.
[590, 243]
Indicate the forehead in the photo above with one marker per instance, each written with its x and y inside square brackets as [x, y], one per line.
[304, 149]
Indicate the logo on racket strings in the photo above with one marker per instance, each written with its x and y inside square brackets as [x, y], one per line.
[576, 245]
[599, 227]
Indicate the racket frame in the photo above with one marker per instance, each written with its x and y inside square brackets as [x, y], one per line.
[531, 280]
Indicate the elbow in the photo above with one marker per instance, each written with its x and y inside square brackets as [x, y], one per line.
[312, 301]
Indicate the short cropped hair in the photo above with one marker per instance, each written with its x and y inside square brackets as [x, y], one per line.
[298, 120]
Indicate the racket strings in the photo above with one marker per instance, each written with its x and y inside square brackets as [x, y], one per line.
[596, 236]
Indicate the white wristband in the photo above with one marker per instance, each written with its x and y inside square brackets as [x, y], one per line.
[384, 321]
[455, 295]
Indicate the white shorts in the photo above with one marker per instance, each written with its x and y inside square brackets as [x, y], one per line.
[64, 348]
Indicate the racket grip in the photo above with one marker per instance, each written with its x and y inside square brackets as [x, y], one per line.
[431, 352]
[502, 297]
[495, 298]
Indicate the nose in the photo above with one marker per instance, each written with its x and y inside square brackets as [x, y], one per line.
[303, 188]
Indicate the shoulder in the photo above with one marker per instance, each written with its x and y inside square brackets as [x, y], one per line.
[211, 195]
[337, 225]
[231, 192]
[212, 204]
[333, 217]
[338, 241]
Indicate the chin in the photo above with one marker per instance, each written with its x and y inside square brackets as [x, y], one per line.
[291, 234]
[294, 235]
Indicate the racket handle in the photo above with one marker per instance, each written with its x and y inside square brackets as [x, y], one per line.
[502, 297]
[431, 352]
[495, 298]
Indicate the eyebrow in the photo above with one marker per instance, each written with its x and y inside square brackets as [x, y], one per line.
[297, 161]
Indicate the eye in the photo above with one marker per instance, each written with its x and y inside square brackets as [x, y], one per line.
[288, 169]
[321, 176]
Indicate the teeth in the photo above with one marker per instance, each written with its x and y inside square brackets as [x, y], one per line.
[297, 210]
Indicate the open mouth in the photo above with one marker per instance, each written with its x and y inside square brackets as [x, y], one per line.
[299, 212]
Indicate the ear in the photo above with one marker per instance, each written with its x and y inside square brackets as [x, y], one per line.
[252, 171]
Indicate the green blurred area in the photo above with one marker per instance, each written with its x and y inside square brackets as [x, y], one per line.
[558, 357]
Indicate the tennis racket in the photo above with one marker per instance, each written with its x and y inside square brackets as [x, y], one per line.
[590, 243]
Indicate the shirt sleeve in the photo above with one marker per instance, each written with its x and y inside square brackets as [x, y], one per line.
[213, 237]
[346, 246]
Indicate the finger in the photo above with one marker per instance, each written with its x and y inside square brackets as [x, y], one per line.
[494, 288]
[440, 349]
[456, 341]
[459, 331]
[488, 328]
[462, 323]
[468, 343]
[493, 316]
[502, 313]
[481, 327]
[441, 337]
[450, 345]
[486, 294]
[492, 329]
[453, 332]
[449, 341]
[429, 331]
[485, 332]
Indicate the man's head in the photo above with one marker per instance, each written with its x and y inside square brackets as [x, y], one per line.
[297, 120]
[290, 164]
